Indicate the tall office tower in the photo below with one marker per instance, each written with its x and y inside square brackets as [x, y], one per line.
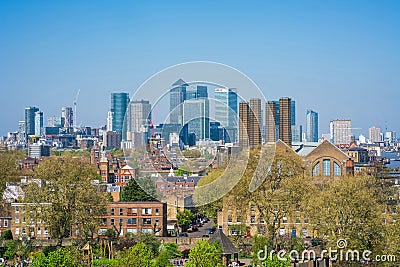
[196, 91]
[244, 124]
[30, 120]
[270, 122]
[293, 112]
[67, 116]
[297, 133]
[39, 123]
[226, 111]
[21, 127]
[177, 96]
[109, 121]
[197, 118]
[374, 134]
[341, 131]
[312, 126]
[119, 105]
[54, 121]
[255, 115]
[139, 116]
[285, 124]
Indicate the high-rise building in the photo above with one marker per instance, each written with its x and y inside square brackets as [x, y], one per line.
[30, 120]
[270, 121]
[67, 117]
[250, 123]
[139, 116]
[196, 116]
[340, 131]
[109, 121]
[226, 111]
[297, 133]
[177, 96]
[374, 134]
[285, 117]
[311, 126]
[196, 91]
[54, 121]
[119, 105]
[244, 124]
[39, 123]
[293, 112]
[255, 122]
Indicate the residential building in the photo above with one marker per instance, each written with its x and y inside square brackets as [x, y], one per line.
[112, 139]
[38, 150]
[109, 121]
[311, 126]
[285, 117]
[23, 225]
[67, 117]
[5, 217]
[340, 131]
[255, 114]
[135, 217]
[119, 105]
[374, 134]
[39, 123]
[244, 124]
[271, 121]
[177, 96]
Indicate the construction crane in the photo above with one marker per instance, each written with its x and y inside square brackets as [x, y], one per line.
[75, 101]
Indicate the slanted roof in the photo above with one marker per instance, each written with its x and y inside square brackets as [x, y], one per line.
[227, 247]
[179, 82]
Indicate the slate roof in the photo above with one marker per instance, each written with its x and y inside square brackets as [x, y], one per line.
[227, 247]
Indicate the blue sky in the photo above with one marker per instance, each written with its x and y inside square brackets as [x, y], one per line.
[339, 58]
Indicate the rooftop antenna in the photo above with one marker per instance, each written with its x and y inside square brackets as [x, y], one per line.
[75, 101]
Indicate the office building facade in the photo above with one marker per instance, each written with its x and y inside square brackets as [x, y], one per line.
[39, 123]
[226, 111]
[311, 126]
[196, 117]
[30, 114]
[67, 117]
[177, 97]
[374, 134]
[340, 131]
[119, 105]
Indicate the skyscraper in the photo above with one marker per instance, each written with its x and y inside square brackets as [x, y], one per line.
[226, 111]
[374, 134]
[311, 126]
[297, 132]
[255, 122]
[30, 120]
[67, 116]
[293, 112]
[341, 132]
[285, 124]
[139, 116]
[196, 91]
[250, 123]
[197, 118]
[39, 123]
[119, 104]
[270, 121]
[177, 96]
[244, 124]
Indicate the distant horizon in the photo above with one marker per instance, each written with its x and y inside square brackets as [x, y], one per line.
[339, 59]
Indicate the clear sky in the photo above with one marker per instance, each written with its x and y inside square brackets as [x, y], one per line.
[340, 58]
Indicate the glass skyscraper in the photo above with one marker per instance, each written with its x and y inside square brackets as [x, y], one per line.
[30, 114]
[312, 126]
[226, 111]
[196, 117]
[119, 104]
[198, 91]
[177, 95]
[39, 123]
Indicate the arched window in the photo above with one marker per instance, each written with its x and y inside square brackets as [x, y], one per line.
[326, 169]
[337, 171]
[316, 170]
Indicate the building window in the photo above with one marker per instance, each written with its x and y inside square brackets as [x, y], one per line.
[253, 208]
[305, 220]
[297, 219]
[146, 220]
[112, 221]
[131, 221]
[39, 231]
[157, 211]
[17, 219]
[394, 211]
[239, 219]
[104, 221]
[284, 220]
[230, 218]
[121, 221]
[16, 231]
[146, 211]
[5, 223]
[46, 231]
[252, 219]
[316, 170]
[112, 211]
[157, 220]
[23, 219]
[134, 211]
[326, 170]
[262, 220]
[121, 212]
[336, 169]
[23, 231]
[16, 209]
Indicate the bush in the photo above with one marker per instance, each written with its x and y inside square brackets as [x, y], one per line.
[7, 235]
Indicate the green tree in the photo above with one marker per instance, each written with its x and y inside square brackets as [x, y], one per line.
[162, 260]
[151, 242]
[136, 256]
[133, 191]
[40, 260]
[204, 254]
[74, 202]
[10, 169]
[6, 235]
[62, 257]
[184, 218]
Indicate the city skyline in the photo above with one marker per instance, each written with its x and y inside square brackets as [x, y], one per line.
[338, 66]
